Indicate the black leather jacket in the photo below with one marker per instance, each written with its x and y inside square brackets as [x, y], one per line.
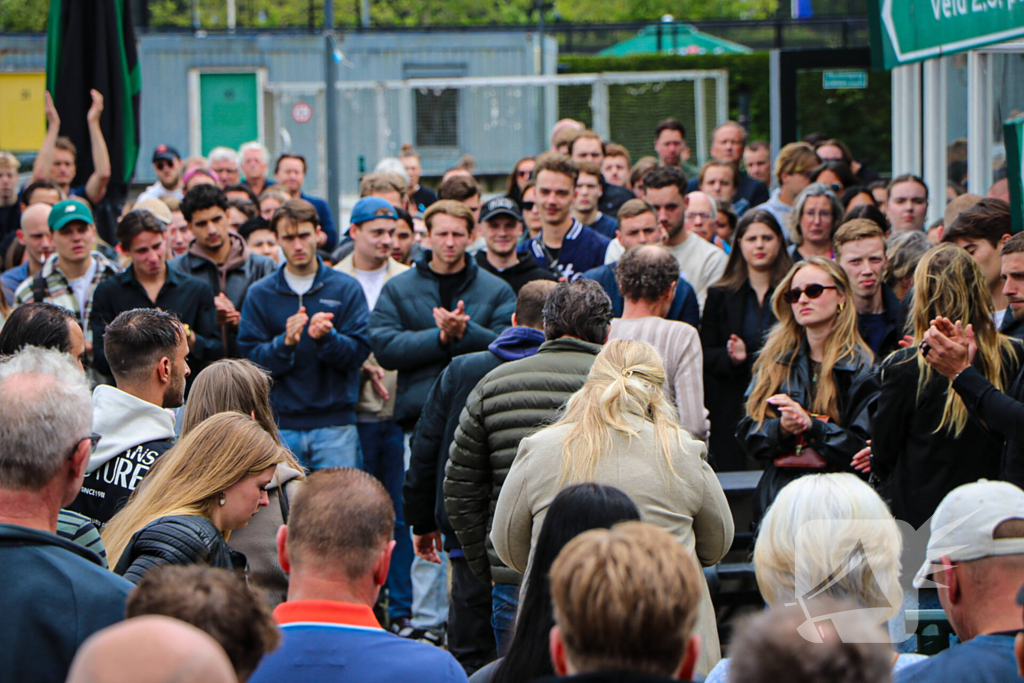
[837, 442]
[181, 539]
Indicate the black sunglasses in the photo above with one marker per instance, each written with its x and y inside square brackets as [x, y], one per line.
[812, 292]
[528, 206]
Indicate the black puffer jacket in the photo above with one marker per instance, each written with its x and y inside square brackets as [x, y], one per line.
[181, 539]
[837, 442]
[508, 405]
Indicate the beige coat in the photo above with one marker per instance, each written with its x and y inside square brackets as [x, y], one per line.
[689, 504]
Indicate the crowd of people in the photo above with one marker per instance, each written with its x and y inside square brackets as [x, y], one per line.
[473, 436]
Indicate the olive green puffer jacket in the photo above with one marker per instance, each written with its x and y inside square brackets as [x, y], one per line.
[509, 404]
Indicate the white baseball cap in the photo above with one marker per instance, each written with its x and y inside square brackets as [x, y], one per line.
[963, 524]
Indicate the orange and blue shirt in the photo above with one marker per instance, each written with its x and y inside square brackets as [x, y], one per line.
[325, 640]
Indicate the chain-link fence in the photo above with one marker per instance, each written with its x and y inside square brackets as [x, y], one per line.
[499, 120]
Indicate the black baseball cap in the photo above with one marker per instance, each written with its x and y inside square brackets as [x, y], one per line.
[165, 152]
[500, 205]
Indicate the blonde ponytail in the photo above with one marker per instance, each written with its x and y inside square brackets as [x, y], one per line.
[624, 389]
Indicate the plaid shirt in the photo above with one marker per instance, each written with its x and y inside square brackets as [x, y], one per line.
[58, 290]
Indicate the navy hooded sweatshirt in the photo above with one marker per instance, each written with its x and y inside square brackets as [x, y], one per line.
[422, 495]
[316, 382]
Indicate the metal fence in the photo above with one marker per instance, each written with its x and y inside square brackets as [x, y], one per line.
[499, 119]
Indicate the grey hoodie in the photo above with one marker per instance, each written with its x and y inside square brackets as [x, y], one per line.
[135, 433]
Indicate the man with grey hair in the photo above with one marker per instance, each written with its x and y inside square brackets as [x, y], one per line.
[254, 157]
[647, 277]
[727, 144]
[224, 162]
[151, 649]
[509, 404]
[56, 593]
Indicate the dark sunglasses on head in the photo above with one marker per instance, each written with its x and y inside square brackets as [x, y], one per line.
[812, 292]
[528, 206]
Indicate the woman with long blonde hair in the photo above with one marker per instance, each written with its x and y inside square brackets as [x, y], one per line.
[807, 405]
[620, 430]
[924, 442]
[239, 385]
[208, 484]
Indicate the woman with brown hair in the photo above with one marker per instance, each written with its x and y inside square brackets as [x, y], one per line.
[737, 317]
[807, 405]
[521, 174]
[208, 484]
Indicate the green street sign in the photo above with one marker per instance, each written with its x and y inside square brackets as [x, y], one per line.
[1013, 136]
[849, 79]
[905, 31]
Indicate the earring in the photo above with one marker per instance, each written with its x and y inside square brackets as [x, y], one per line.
[222, 501]
[840, 311]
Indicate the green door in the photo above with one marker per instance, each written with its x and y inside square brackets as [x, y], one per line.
[228, 110]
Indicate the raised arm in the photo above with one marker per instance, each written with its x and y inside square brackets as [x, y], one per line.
[44, 159]
[96, 185]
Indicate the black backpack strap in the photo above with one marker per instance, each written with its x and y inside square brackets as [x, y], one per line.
[282, 499]
[38, 289]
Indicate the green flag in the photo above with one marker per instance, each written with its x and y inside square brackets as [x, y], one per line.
[91, 44]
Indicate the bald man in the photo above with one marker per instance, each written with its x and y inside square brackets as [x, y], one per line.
[152, 649]
[34, 234]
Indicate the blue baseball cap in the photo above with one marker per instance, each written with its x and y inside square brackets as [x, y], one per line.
[66, 211]
[366, 210]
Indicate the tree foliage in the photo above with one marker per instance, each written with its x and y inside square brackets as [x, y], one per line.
[30, 15]
[23, 16]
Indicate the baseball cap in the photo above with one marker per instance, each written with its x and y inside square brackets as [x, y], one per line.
[165, 152]
[963, 524]
[500, 205]
[155, 207]
[366, 208]
[66, 211]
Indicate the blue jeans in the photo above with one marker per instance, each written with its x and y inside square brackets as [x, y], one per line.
[316, 449]
[384, 457]
[429, 584]
[504, 603]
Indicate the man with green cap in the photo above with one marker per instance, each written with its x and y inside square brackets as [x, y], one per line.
[70, 277]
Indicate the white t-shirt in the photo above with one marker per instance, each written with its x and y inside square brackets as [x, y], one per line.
[998, 317]
[300, 284]
[372, 282]
[80, 288]
[700, 263]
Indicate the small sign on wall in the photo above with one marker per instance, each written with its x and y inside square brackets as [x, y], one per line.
[847, 79]
[302, 112]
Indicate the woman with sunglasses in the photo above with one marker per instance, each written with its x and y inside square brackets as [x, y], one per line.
[531, 211]
[521, 174]
[737, 317]
[807, 406]
[816, 216]
[924, 442]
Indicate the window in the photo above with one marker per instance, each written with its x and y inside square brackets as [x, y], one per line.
[436, 110]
